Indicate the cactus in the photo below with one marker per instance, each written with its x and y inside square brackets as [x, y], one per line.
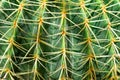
[59, 39]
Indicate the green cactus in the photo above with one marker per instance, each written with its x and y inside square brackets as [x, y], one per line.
[59, 39]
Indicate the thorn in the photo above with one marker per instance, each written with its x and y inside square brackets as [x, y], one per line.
[63, 33]
[89, 40]
[7, 70]
[91, 56]
[63, 14]
[63, 50]
[20, 7]
[36, 56]
[43, 4]
[40, 21]
[63, 66]
[86, 22]
[109, 26]
[15, 24]
[82, 4]
[11, 41]
[104, 9]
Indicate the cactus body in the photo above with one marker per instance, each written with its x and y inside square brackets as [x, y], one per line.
[60, 39]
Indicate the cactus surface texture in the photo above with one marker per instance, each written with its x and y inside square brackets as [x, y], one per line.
[59, 39]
